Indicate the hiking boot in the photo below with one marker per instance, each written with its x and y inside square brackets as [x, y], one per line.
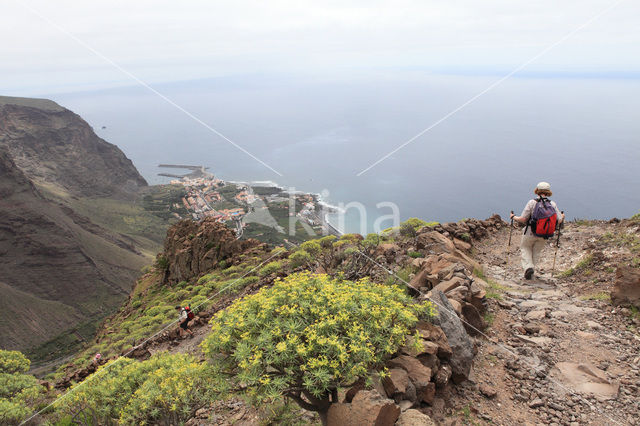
[528, 273]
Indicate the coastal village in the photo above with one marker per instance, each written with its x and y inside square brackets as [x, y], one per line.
[252, 209]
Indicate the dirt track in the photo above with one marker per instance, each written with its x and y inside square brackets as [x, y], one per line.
[556, 352]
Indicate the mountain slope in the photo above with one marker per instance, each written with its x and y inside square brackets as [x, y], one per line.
[59, 264]
[52, 145]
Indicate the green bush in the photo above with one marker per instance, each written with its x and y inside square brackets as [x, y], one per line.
[415, 254]
[158, 310]
[371, 240]
[232, 270]
[310, 334]
[18, 391]
[162, 263]
[12, 362]
[270, 268]
[312, 247]
[278, 251]
[300, 258]
[327, 242]
[166, 389]
[411, 226]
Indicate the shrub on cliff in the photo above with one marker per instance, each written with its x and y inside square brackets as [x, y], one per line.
[166, 389]
[410, 227]
[310, 334]
[271, 267]
[300, 258]
[18, 391]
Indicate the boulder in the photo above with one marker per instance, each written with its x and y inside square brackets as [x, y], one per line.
[433, 333]
[353, 390]
[431, 361]
[457, 337]
[368, 408]
[443, 375]
[419, 375]
[457, 306]
[388, 250]
[474, 323]
[459, 257]
[434, 242]
[487, 391]
[421, 279]
[428, 394]
[423, 347]
[535, 315]
[460, 293]
[586, 379]
[139, 352]
[410, 395]
[626, 290]
[414, 418]
[477, 296]
[396, 382]
[418, 262]
[461, 245]
[439, 267]
[449, 285]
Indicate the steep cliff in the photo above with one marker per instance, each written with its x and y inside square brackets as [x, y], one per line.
[60, 266]
[52, 145]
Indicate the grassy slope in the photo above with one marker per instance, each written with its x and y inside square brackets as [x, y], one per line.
[127, 219]
[17, 307]
[151, 305]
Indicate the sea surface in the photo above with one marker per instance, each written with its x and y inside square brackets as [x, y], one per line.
[580, 134]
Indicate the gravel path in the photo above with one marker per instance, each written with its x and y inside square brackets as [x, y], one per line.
[558, 352]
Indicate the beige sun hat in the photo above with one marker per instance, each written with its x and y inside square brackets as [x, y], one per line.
[544, 187]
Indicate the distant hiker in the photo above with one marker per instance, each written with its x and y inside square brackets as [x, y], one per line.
[96, 359]
[542, 216]
[185, 315]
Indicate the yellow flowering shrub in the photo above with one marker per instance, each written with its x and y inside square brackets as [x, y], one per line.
[18, 391]
[152, 305]
[310, 334]
[165, 389]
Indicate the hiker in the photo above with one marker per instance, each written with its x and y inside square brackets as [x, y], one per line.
[184, 316]
[542, 216]
[96, 359]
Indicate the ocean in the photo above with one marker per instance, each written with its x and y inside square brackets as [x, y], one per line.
[580, 134]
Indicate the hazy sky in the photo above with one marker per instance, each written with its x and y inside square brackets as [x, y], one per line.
[161, 41]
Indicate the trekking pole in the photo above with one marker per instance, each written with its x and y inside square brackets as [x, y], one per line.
[508, 247]
[553, 268]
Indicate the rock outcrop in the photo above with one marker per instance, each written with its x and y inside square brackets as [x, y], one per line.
[414, 417]
[457, 337]
[626, 290]
[191, 249]
[55, 263]
[368, 408]
[54, 146]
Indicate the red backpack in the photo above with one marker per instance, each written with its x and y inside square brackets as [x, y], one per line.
[190, 315]
[543, 219]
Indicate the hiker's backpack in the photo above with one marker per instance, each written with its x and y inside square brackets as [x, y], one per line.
[543, 219]
[190, 314]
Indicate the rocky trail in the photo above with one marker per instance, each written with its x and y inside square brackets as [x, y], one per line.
[557, 351]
